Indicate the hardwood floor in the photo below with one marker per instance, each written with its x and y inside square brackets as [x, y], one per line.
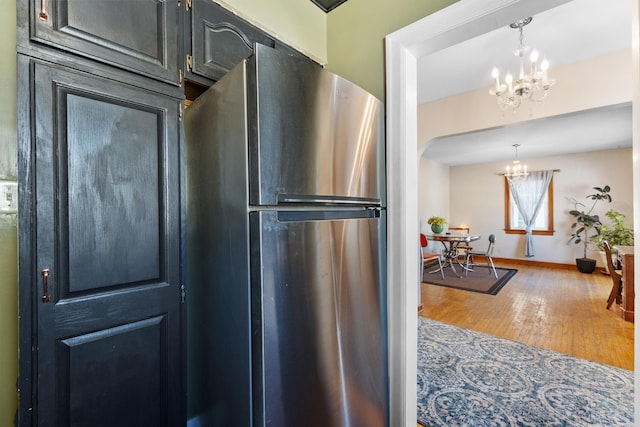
[556, 309]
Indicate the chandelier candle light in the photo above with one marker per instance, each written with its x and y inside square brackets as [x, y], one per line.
[533, 82]
[517, 171]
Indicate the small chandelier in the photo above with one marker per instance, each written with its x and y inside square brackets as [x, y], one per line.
[516, 170]
[533, 82]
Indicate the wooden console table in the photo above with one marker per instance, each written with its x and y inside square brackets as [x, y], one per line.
[625, 257]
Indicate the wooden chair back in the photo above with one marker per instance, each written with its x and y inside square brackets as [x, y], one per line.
[607, 251]
[616, 276]
[461, 230]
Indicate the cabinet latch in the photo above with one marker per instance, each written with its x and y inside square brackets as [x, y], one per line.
[183, 293]
[188, 5]
[189, 63]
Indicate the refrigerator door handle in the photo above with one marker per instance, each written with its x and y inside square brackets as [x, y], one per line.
[326, 215]
[286, 199]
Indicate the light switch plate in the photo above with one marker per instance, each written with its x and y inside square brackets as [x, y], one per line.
[8, 197]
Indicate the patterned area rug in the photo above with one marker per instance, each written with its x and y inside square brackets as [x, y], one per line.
[467, 378]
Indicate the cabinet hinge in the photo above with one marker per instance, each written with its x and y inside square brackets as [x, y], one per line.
[179, 4]
[183, 293]
[188, 4]
[189, 63]
[181, 113]
[181, 78]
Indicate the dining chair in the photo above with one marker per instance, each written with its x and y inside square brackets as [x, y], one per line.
[616, 277]
[486, 254]
[428, 257]
[464, 246]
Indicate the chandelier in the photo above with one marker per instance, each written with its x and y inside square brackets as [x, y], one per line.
[516, 170]
[533, 82]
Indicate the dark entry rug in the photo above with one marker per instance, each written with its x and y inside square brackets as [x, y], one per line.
[481, 279]
[467, 378]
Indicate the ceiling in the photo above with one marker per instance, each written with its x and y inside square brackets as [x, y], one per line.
[590, 130]
[575, 31]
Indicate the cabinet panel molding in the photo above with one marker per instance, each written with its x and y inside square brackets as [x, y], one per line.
[220, 40]
[140, 36]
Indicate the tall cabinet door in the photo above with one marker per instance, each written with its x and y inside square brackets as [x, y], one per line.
[104, 257]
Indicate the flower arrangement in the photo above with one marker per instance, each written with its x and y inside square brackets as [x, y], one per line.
[437, 220]
[437, 224]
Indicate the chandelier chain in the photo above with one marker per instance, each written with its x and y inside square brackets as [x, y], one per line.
[521, 38]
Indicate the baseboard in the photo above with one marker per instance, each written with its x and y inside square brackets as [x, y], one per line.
[532, 263]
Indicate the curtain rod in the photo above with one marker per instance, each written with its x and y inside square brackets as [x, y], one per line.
[553, 170]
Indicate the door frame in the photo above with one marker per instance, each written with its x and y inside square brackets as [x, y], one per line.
[461, 21]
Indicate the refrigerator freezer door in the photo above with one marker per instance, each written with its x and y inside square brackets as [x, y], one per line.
[318, 319]
[315, 133]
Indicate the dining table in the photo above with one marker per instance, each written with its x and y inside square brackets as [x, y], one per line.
[451, 253]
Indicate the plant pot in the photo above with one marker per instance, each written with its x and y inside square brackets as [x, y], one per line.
[586, 265]
[437, 228]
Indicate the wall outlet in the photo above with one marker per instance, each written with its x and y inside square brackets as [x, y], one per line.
[8, 197]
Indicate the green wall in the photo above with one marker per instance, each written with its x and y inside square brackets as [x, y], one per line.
[349, 39]
[298, 23]
[356, 31]
[8, 227]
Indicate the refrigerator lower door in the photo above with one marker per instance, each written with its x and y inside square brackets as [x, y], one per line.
[319, 330]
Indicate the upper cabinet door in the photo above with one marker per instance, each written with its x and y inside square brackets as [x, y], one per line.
[220, 40]
[141, 36]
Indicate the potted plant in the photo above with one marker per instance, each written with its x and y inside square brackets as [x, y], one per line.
[584, 223]
[617, 234]
[437, 224]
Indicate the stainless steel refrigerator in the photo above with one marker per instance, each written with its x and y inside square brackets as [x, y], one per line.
[285, 249]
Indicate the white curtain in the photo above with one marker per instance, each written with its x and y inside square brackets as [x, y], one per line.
[528, 195]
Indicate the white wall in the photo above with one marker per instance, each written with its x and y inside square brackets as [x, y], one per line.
[476, 198]
[476, 193]
[433, 190]
[607, 78]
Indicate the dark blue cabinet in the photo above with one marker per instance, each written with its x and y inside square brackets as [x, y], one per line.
[140, 36]
[216, 40]
[100, 290]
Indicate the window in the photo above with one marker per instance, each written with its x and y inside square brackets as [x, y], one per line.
[513, 222]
